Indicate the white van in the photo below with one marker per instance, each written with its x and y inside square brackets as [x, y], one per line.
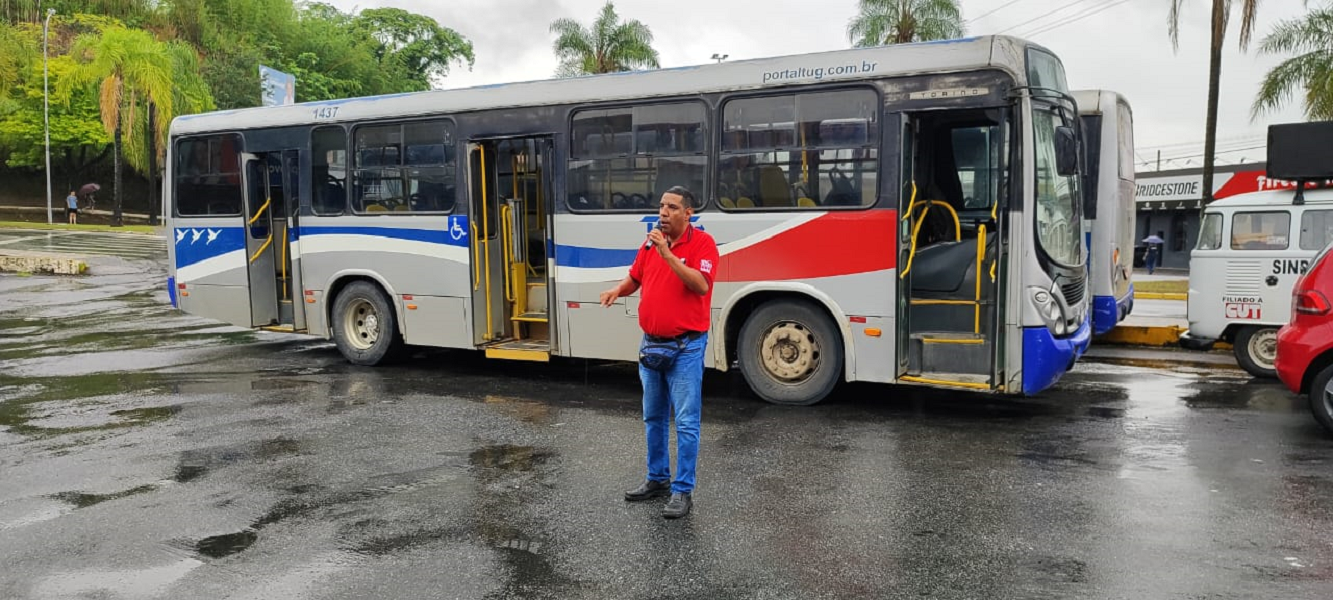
[1251, 250]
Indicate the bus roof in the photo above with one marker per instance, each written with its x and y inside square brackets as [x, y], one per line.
[1274, 198]
[1001, 52]
[1096, 102]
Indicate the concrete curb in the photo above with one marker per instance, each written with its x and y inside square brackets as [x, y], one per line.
[1160, 296]
[1138, 335]
[17, 261]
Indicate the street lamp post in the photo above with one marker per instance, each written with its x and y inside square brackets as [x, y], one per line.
[46, 110]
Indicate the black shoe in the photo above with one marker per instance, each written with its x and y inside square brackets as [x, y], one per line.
[649, 489]
[678, 506]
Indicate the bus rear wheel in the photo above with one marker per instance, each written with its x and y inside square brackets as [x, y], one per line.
[364, 326]
[790, 352]
[1256, 349]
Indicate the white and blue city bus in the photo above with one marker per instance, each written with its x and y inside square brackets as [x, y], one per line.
[1108, 182]
[902, 214]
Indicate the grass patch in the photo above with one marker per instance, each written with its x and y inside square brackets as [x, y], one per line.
[148, 229]
[1180, 286]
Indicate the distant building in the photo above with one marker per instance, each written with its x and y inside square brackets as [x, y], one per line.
[1171, 202]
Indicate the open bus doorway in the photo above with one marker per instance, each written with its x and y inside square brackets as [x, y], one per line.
[949, 247]
[510, 183]
[271, 211]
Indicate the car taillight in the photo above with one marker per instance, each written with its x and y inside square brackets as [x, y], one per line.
[1310, 302]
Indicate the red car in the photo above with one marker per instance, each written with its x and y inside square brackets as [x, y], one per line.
[1305, 345]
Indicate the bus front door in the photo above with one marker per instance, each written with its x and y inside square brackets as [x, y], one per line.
[268, 221]
[510, 182]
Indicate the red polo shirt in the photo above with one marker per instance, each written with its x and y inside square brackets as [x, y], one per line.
[666, 307]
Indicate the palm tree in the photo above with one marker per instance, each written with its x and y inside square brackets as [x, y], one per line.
[1311, 39]
[139, 79]
[1221, 16]
[608, 47]
[881, 22]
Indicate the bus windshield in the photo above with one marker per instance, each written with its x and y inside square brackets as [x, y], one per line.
[1058, 208]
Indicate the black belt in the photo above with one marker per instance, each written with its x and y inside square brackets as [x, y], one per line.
[688, 336]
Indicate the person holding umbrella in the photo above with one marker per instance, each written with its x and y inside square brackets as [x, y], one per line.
[1154, 254]
[87, 191]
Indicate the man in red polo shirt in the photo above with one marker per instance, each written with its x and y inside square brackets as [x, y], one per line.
[675, 271]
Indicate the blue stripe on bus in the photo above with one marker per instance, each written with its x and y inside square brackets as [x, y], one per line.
[452, 237]
[593, 258]
[197, 244]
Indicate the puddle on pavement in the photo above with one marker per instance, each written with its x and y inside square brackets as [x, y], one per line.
[220, 546]
[193, 464]
[507, 457]
[149, 582]
[1266, 396]
[84, 500]
[82, 404]
[528, 411]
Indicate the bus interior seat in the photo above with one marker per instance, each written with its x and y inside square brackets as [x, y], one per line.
[744, 202]
[805, 202]
[948, 269]
[773, 187]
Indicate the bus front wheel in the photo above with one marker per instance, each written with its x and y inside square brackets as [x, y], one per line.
[790, 352]
[364, 325]
[1256, 349]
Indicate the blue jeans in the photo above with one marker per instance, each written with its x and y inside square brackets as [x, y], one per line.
[679, 392]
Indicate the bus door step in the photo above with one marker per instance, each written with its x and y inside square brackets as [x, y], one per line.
[533, 350]
[285, 313]
[946, 352]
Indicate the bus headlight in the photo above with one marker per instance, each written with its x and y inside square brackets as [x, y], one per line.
[1050, 309]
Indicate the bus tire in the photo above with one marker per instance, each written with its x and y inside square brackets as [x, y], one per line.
[790, 352]
[1321, 405]
[1256, 348]
[365, 327]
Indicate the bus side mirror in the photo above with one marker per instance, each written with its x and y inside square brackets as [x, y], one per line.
[1066, 151]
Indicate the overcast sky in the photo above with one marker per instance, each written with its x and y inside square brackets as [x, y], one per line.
[1112, 44]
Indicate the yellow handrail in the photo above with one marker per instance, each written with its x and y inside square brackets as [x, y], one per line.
[485, 239]
[911, 253]
[957, 227]
[285, 241]
[981, 258]
[259, 212]
[507, 250]
[261, 249]
[476, 258]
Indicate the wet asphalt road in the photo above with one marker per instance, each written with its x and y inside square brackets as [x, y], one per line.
[148, 454]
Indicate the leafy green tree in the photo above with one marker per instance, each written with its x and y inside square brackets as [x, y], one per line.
[415, 48]
[135, 74]
[609, 46]
[1310, 70]
[881, 22]
[78, 141]
[1221, 16]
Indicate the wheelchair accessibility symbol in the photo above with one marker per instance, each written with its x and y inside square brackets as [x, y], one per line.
[456, 231]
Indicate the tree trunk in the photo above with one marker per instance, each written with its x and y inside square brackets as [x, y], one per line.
[153, 196]
[1214, 80]
[115, 214]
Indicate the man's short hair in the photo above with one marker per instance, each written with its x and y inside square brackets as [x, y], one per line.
[684, 193]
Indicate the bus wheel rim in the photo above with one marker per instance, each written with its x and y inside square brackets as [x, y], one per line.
[1263, 348]
[789, 352]
[362, 324]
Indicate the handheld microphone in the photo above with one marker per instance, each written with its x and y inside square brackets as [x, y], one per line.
[660, 227]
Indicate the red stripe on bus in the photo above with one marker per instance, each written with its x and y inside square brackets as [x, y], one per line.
[841, 243]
